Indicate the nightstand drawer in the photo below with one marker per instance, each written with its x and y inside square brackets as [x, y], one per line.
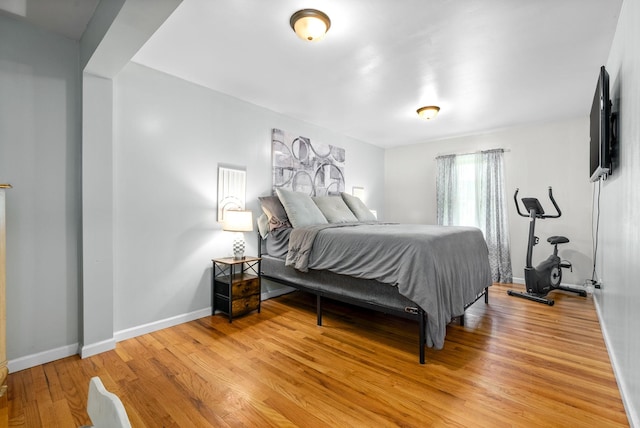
[246, 304]
[235, 286]
[245, 288]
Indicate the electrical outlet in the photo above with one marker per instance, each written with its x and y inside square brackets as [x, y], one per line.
[590, 285]
[596, 284]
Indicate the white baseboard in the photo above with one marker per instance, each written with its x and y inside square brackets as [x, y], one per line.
[91, 349]
[633, 413]
[43, 357]
[159, 325]
[180, 319]
[86, 351]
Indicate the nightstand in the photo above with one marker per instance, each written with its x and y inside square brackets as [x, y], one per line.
[235, 286]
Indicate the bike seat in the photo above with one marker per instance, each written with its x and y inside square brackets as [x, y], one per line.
[554, 240]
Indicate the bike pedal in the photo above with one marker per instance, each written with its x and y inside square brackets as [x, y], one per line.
[566, 265]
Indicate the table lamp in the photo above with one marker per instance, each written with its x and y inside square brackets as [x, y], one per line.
[239, 222]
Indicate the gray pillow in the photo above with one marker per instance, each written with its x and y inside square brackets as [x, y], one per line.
[275, 212]
[358, 207]
[300, 208]
[334, 209]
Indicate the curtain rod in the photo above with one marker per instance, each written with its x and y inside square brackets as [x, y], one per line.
[470, 153]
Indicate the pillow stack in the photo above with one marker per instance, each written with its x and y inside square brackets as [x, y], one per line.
[297, 209]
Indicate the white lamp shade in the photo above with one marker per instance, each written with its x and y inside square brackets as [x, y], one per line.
[237, 221]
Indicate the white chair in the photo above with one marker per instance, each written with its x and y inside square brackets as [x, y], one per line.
[105, 408]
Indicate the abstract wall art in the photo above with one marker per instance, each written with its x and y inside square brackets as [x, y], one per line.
[301, 165]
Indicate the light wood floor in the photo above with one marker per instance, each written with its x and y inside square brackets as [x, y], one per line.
[515, 363]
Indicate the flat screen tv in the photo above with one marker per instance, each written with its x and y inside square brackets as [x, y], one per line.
[600, 165]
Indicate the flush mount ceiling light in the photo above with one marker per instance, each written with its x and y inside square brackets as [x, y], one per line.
[428, 112]
[310, 24]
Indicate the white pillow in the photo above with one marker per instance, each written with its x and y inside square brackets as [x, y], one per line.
[300, 208]
[263, 225]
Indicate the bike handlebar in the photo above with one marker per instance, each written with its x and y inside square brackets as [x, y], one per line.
[515, 199]
[553, 201]
[555, 206]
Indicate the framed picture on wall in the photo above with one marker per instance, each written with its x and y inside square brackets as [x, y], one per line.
[232, 186]
[302, 165]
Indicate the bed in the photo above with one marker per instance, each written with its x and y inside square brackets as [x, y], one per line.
[333, 247]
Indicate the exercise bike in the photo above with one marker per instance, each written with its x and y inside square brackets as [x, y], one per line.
[545, 277]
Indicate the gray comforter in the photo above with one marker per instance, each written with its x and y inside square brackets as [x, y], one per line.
[440, 268]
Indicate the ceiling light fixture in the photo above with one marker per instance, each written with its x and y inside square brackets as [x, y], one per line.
[310, 24]
[428, 112]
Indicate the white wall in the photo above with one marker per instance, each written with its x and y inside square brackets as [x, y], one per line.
[116, 31]
[96, 320]
[618, 260]
[164, 176]
[40, 157]
[550, 154]
[170, 136]
[161, 266]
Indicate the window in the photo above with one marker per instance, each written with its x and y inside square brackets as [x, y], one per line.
[470, 192]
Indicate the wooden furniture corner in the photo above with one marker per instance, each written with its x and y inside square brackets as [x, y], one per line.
[235, 286]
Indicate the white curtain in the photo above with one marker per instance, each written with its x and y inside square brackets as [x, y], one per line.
[470, 192]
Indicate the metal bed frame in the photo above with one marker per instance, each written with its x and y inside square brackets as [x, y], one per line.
[407, 312]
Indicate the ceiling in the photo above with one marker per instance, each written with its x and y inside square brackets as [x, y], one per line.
[488, 64]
